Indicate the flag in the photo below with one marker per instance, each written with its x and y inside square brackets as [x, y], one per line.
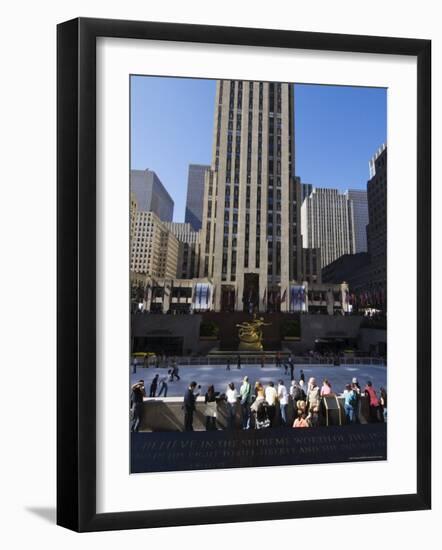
[208, 296]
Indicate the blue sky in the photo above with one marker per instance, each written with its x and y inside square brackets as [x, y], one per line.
[337, 130]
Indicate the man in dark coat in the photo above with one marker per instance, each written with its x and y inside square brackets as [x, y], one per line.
[291, 367]
[153, 386]
[189, 407]
[136, 403]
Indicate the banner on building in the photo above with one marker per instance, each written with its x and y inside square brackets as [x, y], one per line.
[202, 297]
[297, 298]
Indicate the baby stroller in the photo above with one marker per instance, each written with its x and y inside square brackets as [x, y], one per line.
[261, 414]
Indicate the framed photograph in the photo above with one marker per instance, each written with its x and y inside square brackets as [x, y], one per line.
[243, 279]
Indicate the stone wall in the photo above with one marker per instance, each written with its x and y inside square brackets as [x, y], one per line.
[166, 414]
[325, 326]
[187, 328]
[371, 339]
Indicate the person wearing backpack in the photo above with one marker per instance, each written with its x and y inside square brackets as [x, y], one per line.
[350, 404]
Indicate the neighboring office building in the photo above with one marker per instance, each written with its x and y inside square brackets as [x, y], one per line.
[366, 273]
[377, 226]
[311, 257]
[195, 195]
[250, 242]
[133, 214]
[154, 249]
[351, 268]
[189, 243]
[145, 243]
[168, 255]
[311, 265]
[358, 205]
[151, 195]
[306, 188]
[183, 231]
[326, 224]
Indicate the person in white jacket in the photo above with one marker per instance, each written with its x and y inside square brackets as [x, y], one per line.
[232, 401]
[271, 396]
[283, 398]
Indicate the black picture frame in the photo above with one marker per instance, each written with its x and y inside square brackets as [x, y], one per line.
[76, 273]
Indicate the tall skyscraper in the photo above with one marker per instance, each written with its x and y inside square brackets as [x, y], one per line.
[195, 195]
[377, 226]
[150, 194]
[359, 215]
[326, 224]
[250, 233]
[306, 188]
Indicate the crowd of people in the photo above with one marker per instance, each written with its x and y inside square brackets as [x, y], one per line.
[260, 406]
[257, 404]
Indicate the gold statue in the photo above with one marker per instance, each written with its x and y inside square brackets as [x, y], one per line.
[250, 334]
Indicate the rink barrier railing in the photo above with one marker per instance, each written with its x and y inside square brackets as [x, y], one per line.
[213, 360]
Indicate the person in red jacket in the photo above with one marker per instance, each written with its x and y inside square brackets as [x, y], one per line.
[370, 392]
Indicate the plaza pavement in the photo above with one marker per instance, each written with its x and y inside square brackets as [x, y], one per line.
[205, 375]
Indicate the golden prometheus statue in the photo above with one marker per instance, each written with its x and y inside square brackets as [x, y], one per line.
[250, 334]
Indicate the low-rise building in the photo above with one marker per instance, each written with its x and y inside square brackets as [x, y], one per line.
[185, 296]
[154, 249]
